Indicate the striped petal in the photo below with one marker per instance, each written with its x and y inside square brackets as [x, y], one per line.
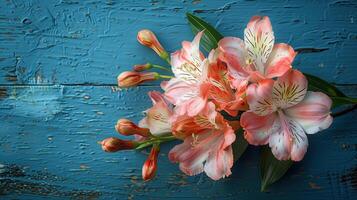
[289, 89]
[288, 140]
[157, 119]
[259, 41]
[259, 97]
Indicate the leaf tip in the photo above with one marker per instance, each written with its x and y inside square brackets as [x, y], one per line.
[263, 187]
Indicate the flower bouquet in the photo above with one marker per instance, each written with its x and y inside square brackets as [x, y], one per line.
[244, 91]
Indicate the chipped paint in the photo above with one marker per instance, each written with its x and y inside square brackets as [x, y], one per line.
[58, 65]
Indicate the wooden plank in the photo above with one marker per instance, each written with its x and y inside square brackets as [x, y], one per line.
[48, 149]
[76, 42]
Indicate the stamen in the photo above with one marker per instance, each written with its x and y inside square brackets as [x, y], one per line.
[195, 141]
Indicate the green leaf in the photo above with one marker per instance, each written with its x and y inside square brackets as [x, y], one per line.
[239, 145]
[271, 169]
[210, 37]
[338, 101]
[320, 85]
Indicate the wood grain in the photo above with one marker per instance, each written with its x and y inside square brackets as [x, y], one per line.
[58, 65]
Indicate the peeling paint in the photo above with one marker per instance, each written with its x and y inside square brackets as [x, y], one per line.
[58, 96]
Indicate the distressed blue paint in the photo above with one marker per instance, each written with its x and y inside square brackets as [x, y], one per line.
[64, 41]
[63, 53]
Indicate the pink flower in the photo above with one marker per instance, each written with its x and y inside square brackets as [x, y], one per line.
[131, 79]
[186, 90]
[227, 93]
[158, 116]
[282, 112]
[256, 57]
[207, 144]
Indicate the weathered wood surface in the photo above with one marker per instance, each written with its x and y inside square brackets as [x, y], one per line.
[58, 64]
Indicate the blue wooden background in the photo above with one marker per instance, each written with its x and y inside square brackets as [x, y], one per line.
[58, 65]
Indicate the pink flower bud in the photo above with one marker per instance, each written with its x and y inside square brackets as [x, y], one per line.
[148, 38]
[150, 165]
[140, 68]
[127, 127]
[131, 79]
[115, 144]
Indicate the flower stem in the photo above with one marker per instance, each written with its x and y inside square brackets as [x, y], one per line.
[168, 60]
[166, 76]
[161, 67]
[155, 140]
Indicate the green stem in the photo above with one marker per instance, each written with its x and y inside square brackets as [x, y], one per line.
[166, 76]
[168, 60]
[155, 140]
[161, 67]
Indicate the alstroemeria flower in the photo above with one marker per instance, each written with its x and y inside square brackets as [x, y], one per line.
[282, 112]
[186, 90]
[256, 57]
[158, 116]
[226, 92]
[207, 144]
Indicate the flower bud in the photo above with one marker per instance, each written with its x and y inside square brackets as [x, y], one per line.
[150, 165]
[140, 68]
[115, 144]
[131, 79]
[127, 127]
[148, 38]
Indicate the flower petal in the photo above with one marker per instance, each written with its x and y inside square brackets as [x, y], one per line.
[299, 143]
[187, 62]
[259, 41]
[177, 91]
[190, 168]
[208, 147]
[259, 97]
[219, 164]
[232, 51]
[288, 140]
[289, 89]
[279, 141]
[257, 129]
[193, 153]
[192, 106]
[313, 113]
[157, 119]
[280, 60]
[220, 90]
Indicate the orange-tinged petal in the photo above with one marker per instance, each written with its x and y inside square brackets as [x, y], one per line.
[259, 97]
[279, 61]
